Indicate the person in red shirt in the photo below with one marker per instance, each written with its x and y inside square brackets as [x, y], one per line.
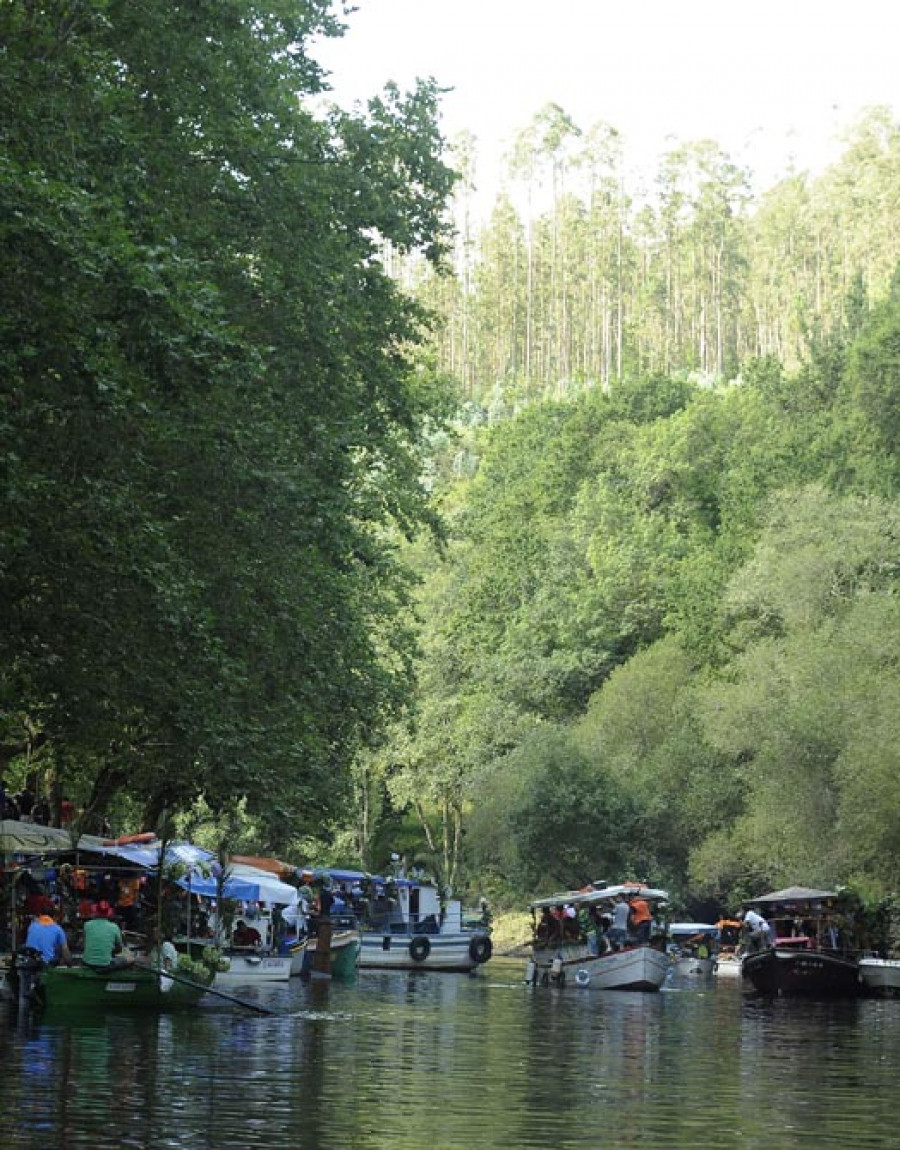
[245, 936]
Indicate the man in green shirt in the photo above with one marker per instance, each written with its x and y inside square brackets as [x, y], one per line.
[103, 940]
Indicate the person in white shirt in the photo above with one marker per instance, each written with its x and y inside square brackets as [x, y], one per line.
[757, 931]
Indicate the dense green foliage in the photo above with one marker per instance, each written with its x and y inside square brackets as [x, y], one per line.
[662, 640]
[209, 411]
[658, 635]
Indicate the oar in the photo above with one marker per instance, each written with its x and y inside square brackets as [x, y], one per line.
[209, 990]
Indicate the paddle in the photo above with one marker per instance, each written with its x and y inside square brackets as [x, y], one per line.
[209, 990]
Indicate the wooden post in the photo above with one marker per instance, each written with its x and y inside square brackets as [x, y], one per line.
[321, 963]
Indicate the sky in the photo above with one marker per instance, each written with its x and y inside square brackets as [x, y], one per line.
[774, 82]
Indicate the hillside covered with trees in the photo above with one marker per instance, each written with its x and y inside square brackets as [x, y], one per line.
[661, 639]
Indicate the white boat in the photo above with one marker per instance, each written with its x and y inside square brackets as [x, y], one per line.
[692, 949]
[404, 925]
[256, 892]
[880, 977]
[247, 968]
[575, 957]
[728, 965]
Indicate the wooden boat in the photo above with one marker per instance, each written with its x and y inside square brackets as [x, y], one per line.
[572, 957]
[85, 988]
[796, 970]
[880, 977]
[809, 958]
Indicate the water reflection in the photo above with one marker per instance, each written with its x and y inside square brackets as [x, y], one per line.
[402, 1061]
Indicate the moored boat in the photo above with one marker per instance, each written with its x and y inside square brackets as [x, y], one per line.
[242, 967]
[809, 957]
[880, 977]
[797, 971]
[405, 925]
[692, 948]
[568, 952]
[728, 965]
[343, 952]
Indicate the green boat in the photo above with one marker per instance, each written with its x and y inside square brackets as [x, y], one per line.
[126, 988]
[343, 955]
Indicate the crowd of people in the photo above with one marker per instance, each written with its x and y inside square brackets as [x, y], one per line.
[627, 921]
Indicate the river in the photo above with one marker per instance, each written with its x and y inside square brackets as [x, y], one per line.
[426, 1061]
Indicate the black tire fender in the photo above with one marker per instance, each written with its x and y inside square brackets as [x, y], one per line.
[480, 949]
[419, 948]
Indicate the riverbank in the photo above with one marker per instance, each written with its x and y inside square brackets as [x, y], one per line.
[511, 934]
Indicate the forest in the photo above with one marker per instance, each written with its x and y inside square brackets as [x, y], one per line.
[554, 549]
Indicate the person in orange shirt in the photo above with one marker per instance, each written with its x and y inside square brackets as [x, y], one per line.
[126, 903]
[640, 920]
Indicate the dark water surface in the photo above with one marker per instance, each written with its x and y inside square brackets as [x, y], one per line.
[453, 1062]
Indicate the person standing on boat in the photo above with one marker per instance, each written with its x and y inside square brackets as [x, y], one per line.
[618, 932]
[103, 941]
[640, 920]
[47, 936]
[757, 931]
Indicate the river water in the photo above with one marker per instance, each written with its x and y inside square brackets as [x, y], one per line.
[426, 1061]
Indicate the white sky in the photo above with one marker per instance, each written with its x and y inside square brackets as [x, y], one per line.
[770, 80]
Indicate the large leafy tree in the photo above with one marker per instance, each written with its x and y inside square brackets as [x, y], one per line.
[209, 415]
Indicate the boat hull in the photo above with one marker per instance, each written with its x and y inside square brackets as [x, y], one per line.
[728, 966]
[130, 988]
[880, 977]
[801, 973]
[447, 951]
[693, 967]
[634, 968]
[251, 968]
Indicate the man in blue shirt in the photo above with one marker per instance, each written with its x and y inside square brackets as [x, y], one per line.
[48, 937]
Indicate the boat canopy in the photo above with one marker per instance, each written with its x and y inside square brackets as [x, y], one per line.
[688, 929]
[18, 838]
[243, 884]
[794, 894]
[357, 877]
[31, 839]
[591, 896]
[273, 866]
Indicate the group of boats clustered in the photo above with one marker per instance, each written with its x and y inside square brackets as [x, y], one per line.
[179, 923]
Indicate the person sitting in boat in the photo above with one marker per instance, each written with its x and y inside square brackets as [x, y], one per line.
[570, 927]
[546, 927]
[245, 935]
[161, 955]
[48, 937]
[104, 945]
